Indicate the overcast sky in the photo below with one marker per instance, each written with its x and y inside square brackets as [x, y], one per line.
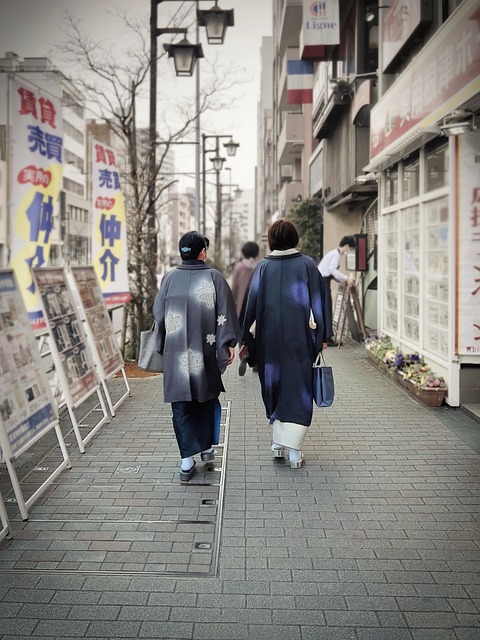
[30, 28]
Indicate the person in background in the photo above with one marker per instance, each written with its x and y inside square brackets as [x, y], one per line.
[329, 269]
[241, 275]
[283, 331]
[197, 331]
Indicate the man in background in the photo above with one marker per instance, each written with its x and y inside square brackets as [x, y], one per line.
[329, 269]
[240, 278]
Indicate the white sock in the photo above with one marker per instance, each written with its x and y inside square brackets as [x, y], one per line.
[211, 450]
[294, 455]
[187, 463]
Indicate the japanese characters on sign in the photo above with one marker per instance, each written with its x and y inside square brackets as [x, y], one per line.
[27, 408]
[36, 176]
[468, 245]
[98, 320]
[66, 331]
[109, 233]
[447, 66]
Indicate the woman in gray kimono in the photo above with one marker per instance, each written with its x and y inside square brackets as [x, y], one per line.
[197, 331]
[283, 331]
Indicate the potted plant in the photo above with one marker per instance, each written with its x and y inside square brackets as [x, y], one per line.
[409, 370]
[342, 90]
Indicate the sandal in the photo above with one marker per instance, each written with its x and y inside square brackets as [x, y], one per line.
[278, 450]
[208, 455]
[185, 476]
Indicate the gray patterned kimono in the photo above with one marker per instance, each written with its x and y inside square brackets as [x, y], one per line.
[196, 323]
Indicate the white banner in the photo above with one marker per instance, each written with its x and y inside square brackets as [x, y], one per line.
[109, 226]
[36, 180]
[468, 244]
[321, 23]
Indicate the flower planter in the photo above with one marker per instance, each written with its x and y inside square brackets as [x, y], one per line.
[432, 397]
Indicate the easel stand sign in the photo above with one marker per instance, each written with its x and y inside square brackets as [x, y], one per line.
[70, 351]
[27, 407]
[5, 531]
[98, 327]
[348, 307]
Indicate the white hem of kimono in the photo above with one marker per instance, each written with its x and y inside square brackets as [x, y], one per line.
[289, 434]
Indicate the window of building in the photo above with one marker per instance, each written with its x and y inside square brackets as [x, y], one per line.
[436, 168]
[391, 272]
[73, 132]
[391, 187]
[73, 187]
[411, 178]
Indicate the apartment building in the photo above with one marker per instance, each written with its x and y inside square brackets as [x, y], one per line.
[383, 135]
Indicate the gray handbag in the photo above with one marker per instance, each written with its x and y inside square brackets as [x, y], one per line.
[148, 357]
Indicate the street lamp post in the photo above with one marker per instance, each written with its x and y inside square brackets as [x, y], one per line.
[185, 54]
[217, 161]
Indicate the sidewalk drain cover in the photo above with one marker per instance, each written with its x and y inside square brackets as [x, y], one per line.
[128, 469]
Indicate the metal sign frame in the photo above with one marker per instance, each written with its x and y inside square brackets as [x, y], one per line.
[99, 329]
[72, 360]
[27, 408]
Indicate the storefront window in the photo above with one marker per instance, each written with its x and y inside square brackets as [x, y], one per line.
[436, 277]
[411, 179]
[391, 272]
[391, 187]
[436, 167]
[411, 273]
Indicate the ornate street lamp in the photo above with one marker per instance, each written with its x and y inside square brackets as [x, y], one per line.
[215, 21]
[217, 162]
[231, 147]
[185, 55]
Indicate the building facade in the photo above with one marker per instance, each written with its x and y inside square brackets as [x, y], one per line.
[387, 144]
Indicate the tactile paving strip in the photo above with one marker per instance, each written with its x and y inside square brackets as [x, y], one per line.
[121, 508]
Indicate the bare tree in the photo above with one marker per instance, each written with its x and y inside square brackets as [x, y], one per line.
[113, 84]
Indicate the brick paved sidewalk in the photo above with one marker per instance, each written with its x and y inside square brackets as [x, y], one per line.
[377, 537]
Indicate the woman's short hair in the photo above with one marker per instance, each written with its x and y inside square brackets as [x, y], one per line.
[282, 235]
[191, 244]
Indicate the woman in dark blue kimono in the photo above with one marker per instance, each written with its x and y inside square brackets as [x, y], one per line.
[197, 331]
[283, 331]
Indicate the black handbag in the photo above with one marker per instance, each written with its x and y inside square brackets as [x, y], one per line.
[149, 358]
[323, 386]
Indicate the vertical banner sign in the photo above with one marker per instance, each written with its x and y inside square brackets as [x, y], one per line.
[36, 176]
[65, 328]
[98, 320]
[468, 244]
[27, 408]
[109, 228]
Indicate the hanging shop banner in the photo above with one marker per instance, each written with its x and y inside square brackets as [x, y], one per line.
[109, 227]
[36, 177]
[73, 360]
[468, 244]
[444, 74]
[98, 321]
[320, 27]
[27, 408]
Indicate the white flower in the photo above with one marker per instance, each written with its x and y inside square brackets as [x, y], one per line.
[192, 363]
[172, 323]
[221, 320]
[211, 339]
[207, 293]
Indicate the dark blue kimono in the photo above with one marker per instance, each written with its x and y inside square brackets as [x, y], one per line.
[285, 293]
